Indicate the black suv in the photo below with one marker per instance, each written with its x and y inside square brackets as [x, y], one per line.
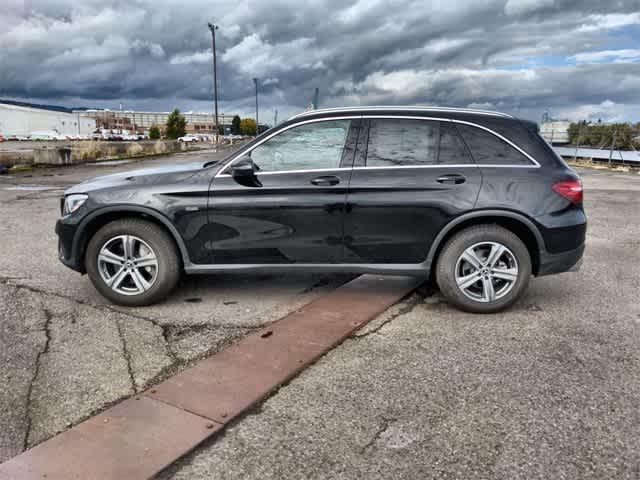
[477, 200]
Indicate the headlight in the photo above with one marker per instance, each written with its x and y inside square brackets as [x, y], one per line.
[73, 203]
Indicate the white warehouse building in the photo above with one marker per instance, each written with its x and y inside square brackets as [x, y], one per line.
[22, 119]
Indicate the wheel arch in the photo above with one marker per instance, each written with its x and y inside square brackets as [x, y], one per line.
[96, 220]
[520, 225]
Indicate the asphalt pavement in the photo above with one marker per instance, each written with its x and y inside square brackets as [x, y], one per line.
[66, 353]
[547, 389]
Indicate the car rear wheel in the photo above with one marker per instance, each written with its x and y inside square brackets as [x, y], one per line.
[483, 269]
[132, 262]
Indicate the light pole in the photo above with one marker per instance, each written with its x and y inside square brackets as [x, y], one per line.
[213, 29]
[255, 81]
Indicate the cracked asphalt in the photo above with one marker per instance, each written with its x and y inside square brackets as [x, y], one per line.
[547, 389]
[66, 353]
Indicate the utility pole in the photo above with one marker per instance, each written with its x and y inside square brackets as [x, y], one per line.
[255, 81]
[613, 143]
[275, 118]
[575, 156]
[213, 29]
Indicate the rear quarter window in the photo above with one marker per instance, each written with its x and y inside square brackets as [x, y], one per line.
[487, 149]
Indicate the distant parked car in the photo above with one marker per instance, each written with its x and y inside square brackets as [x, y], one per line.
[46, 135]
[1, 138]
[188, 139]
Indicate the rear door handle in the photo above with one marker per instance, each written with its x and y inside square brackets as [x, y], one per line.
[452, 179]
[325, 181]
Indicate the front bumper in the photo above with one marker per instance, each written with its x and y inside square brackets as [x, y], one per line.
[569, 261]
[66, 232]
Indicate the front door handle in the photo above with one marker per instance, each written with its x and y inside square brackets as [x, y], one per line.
[452, 179]
[325, 181]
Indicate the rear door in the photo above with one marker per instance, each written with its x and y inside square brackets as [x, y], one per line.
[411, 177]
[294, 212]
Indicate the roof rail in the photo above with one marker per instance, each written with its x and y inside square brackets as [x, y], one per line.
[398, 107]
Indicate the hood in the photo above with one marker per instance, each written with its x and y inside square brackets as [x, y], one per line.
[145, 176]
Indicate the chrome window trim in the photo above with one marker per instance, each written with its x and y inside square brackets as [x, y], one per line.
[312, 170]
[504, 139]
[534, 164]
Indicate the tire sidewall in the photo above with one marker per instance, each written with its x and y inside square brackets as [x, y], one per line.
[168, 264]
[445, 274]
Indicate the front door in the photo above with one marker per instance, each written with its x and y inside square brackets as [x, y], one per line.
[292, 211]
[410, 178]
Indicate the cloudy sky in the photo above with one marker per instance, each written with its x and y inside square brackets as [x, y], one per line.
[575, 58]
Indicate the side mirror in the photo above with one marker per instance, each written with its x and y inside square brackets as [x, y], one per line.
[244, 172]
[243, 168]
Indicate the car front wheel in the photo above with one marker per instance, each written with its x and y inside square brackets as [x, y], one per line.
[483, 269]
[132, 262]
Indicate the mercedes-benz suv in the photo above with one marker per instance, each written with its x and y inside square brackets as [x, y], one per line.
[476, 200]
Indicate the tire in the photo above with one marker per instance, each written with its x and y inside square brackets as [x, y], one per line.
[466, 257]
[154, 257]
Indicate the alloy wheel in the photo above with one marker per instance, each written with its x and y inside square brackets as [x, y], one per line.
[486, 272]
[128, 265]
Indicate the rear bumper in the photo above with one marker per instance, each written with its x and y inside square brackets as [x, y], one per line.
[569, 261]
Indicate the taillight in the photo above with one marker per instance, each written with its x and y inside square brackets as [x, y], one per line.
[569, 189]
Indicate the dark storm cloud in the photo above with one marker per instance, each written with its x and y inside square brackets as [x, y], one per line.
[514, 55]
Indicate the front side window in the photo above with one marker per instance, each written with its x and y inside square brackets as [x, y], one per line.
[312, 146]
[487, 149]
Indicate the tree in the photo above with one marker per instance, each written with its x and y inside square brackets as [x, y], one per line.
[176, 125]
[603, 135]
[235, 125]
[154, 132]
[248, 126]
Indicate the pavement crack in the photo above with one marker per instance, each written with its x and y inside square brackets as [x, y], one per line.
[411, 304]
[408, 304]
[386, 422]
[323, 282]
[45, 349]
[127, 356]
[10, 281]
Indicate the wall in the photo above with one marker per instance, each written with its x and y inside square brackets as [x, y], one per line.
[17, 120]
[555, 131]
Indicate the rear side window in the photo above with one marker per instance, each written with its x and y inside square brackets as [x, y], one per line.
[405, 142]
[452, 148]
[487, 149]
[399, 142]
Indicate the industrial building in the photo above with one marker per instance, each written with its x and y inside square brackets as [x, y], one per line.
[22, 119]
[555, 131]
[142, 121]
